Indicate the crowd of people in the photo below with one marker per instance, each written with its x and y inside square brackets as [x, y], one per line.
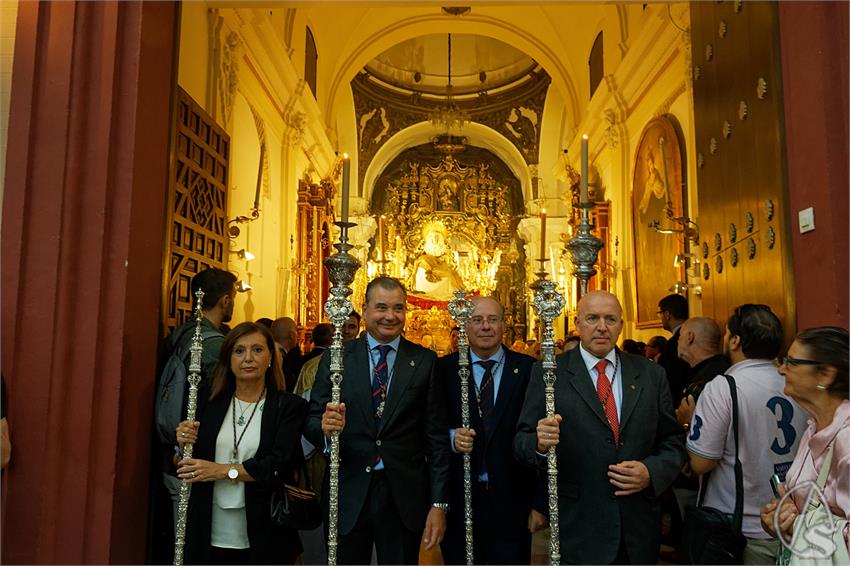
[706, 417]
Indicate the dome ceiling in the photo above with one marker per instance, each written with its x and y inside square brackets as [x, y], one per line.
[478, 63]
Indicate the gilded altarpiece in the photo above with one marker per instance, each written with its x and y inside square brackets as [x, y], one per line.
[448, 225]
[197, 201]
[313, 246]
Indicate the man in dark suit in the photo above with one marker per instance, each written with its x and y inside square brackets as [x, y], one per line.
[323, 334]
[394, 457]
[502, 487]
[619, 445]
[673, 310]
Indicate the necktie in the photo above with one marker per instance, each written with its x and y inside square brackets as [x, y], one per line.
[380, 380]
[606, 396]
[485, 394]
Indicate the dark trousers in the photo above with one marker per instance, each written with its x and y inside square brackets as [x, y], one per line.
[379, 524]
[491, 545]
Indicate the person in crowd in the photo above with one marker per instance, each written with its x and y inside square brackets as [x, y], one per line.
[502, 487]
[5, 439]
[673, 310]
[816, 377]
[265, 321]
[654, 347]
[770, 425]
[631, 347]
[219, 289]
[453, 336]
[701, 347]
[323, 334]
[393, 424]
[619, 447]
[571, 343]
[285, 332]
[351, 327]
[246, 445]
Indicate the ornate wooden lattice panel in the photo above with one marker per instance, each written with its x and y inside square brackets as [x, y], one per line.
[197, 205]
[312, 227]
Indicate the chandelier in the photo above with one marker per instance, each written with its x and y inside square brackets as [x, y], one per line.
[478, 271]
[449, 116]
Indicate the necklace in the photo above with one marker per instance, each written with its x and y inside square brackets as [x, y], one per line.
[613, 379]
[241, 420]
[234, 455]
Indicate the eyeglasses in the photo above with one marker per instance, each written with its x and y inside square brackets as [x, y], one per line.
[479, 320]
[789, 361]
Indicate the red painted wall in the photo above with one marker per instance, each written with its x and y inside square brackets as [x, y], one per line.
[82, 241]
[814, 39]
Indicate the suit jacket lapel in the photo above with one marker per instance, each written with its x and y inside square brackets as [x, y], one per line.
[360, 378]
[403, 369]
[213, 418]
[507, 388]
[631, 389]
[580, 381]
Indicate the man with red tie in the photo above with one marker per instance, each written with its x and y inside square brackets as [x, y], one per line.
[619, 444]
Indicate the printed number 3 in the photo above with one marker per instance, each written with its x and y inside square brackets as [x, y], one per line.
[695, 432]
[783, 422]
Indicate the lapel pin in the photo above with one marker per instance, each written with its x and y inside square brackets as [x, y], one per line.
[412, 363]
[516, 370]
[633, 386]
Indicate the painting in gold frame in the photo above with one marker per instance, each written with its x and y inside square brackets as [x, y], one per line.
[658, 194]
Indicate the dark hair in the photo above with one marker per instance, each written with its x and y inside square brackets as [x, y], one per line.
[356, 315]
[323, 334]
[630, 346]
[267, 322]
[215, 282]
[657, 342]
[676, 305]
[572, 339]
[759, 330]
[384, 282]
[223, 378]
[828, 345]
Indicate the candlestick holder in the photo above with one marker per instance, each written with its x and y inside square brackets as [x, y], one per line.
[584, 248]
[461, 309]
[549, 303]
[341, 267]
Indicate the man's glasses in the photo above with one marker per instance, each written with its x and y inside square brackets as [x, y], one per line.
[789, 361]
[479, 320]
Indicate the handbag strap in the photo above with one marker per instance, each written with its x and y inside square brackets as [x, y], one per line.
[738, 515]
[308, 484]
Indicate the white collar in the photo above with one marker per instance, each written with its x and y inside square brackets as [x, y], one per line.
[590, 360]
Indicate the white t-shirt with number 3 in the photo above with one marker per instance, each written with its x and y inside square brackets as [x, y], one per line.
[769, 429]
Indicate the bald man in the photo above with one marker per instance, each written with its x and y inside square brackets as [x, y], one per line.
[622, 446]
[701, 346]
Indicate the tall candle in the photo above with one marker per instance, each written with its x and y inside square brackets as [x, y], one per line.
[543, 233]
[584, 198]
[259, 178]
[346, 171]
[381, 238]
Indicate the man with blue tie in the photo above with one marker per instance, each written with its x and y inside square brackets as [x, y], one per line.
[619, 444]
[502, 488]
[394, 458]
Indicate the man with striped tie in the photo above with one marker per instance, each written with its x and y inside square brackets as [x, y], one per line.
[394, 458]
[502, 488]
[619, 444]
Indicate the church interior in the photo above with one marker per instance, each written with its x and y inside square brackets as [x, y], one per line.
[146, 141]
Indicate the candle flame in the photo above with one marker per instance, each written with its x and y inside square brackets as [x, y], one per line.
[584, 136]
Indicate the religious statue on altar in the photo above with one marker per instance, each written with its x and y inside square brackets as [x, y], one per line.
[432, 274]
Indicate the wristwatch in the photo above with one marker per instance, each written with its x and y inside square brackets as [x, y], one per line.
[444, 507]
[233, 473]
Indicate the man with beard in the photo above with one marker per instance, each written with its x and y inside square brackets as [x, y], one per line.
[394, 454]
[622, 446]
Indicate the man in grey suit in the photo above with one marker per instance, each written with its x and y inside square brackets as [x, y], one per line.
[618, 442]
[394, 457]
